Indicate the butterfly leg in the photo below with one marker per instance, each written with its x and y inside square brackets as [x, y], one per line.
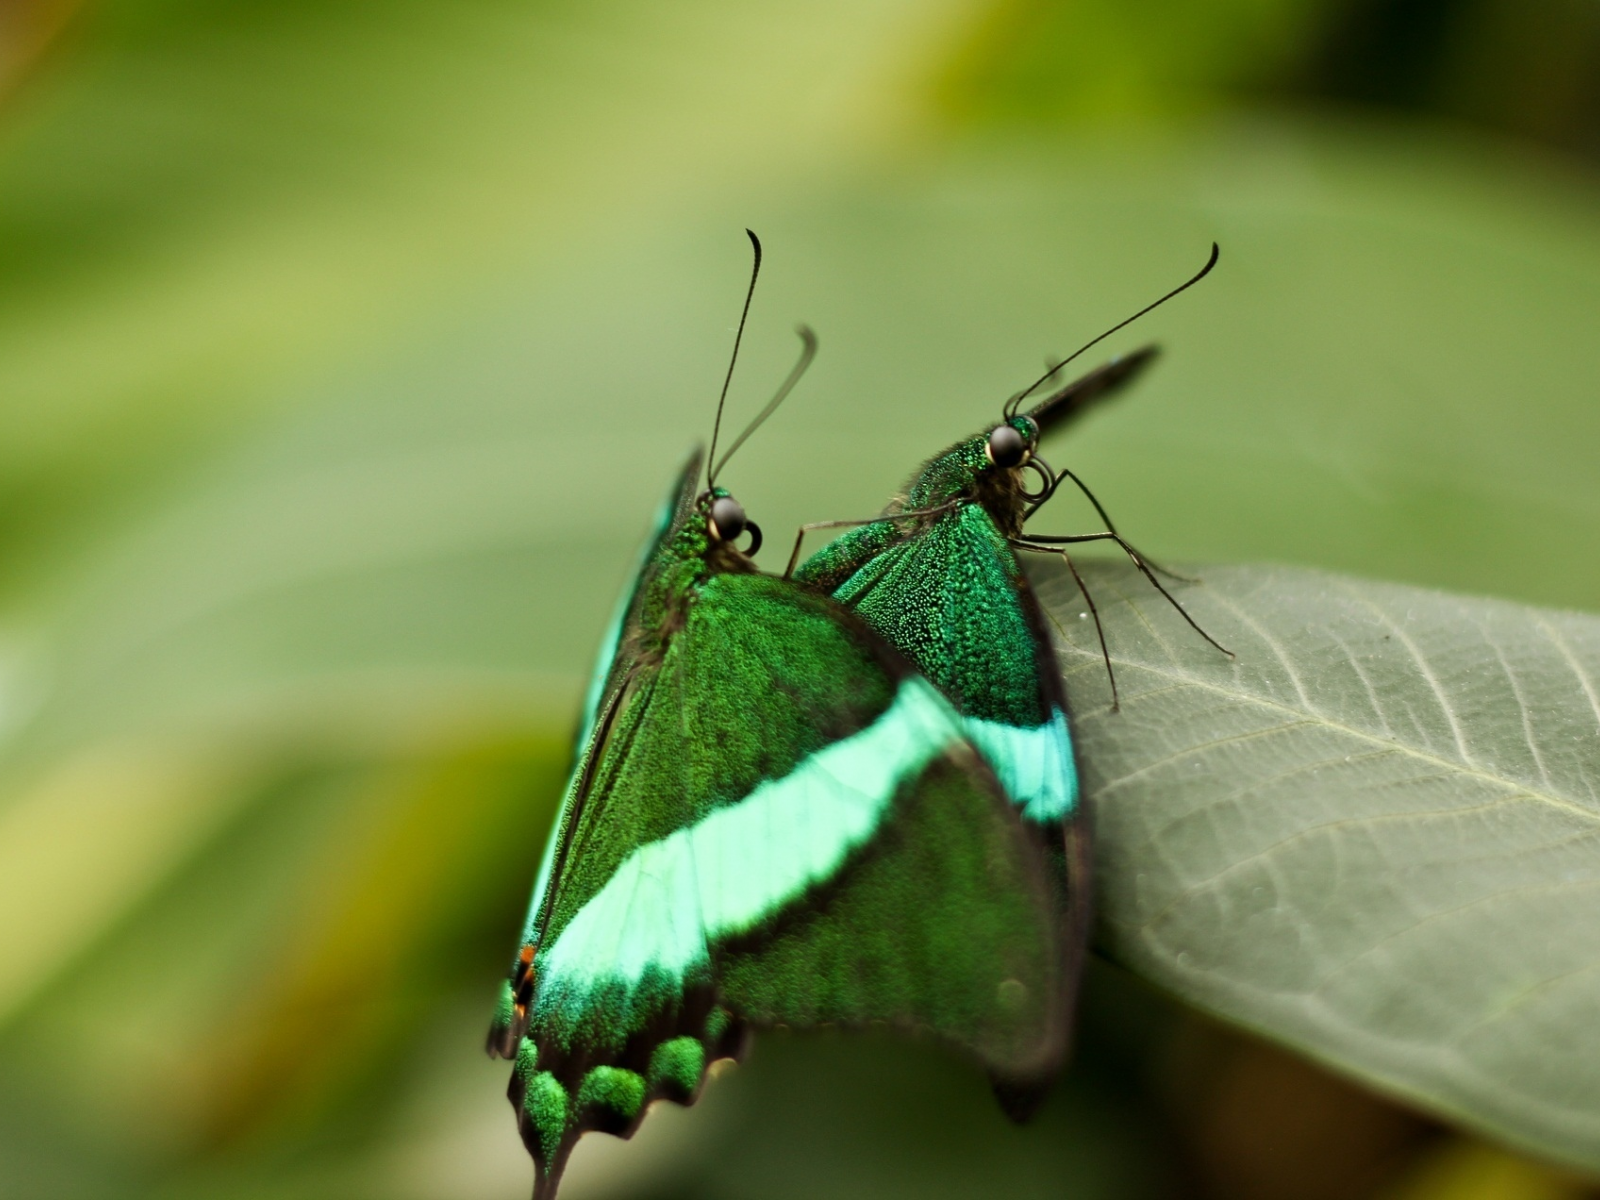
[800, 537]
[1116, 703]
[1052, 542]
[800, 534]
[1067, 473]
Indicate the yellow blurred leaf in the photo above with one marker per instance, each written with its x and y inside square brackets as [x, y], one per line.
[85, 843]
[1469, 1170]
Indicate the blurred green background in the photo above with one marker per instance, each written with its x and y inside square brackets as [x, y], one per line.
[346, 347]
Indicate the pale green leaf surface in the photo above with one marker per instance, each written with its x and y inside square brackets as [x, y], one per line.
[1374, 837]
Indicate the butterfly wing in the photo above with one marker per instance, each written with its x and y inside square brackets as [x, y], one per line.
[616, 656]
[829, 568]
[783, 824]
[949, 593]
[951, 596]
[1067, 404]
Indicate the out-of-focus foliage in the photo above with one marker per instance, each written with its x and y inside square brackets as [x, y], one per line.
[1532, 71]
[26, 28]
[344, 350]
[1527, 70]
[1035, 61]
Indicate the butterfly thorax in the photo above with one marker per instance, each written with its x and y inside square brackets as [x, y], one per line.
[683, 564]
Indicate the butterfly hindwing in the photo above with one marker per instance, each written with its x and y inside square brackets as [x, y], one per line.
[939, 923]
[953, 598]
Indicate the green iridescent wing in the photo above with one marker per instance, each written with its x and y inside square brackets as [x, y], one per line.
[776, 821]
[615, 662]
[952, 597]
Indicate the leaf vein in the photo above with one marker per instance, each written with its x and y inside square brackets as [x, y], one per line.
[1522, 709]
[1423, 667]
[1275, 646]
[1201, 748]
[1500, 894]
[1449, 766]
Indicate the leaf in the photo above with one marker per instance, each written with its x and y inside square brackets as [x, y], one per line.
[1375, 837]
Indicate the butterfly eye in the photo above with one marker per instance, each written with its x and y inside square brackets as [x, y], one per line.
[1007, 447]
[727, 518]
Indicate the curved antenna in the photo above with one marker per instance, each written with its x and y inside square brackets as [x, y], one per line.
[744, 315]
[1011, 405]
[808, 351]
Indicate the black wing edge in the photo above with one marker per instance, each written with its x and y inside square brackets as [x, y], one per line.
[1076, 851]
[1102, 383]
[729, 1044]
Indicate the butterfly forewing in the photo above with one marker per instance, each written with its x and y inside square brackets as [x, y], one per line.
[951, 596]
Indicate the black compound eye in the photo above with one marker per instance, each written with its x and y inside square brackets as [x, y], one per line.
[1007, 447]
[727, 518]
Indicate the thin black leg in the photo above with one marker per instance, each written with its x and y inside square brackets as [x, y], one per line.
[1116, 703]
[800, 534]
[1067, 473]
[1051, 543]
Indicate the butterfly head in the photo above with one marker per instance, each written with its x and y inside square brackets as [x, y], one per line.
[991, 469]
[726, 522]
[1011, 443]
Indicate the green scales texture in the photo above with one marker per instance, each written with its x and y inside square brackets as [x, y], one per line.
[772, 820]
[946, 590]
[954, 608]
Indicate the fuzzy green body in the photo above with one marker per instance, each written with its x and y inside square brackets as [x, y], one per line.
[773, 820]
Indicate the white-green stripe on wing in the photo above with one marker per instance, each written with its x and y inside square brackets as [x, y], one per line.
[727, 873]
[1035, 764]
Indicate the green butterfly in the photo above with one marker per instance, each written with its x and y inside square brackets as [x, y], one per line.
[938, 577]
[773, 819]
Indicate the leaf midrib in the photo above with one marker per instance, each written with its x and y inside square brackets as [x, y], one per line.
[1305, 716]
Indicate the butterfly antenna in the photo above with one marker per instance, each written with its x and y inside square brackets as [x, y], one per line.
[755, 269]
[1015, 401]
[808, 351]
